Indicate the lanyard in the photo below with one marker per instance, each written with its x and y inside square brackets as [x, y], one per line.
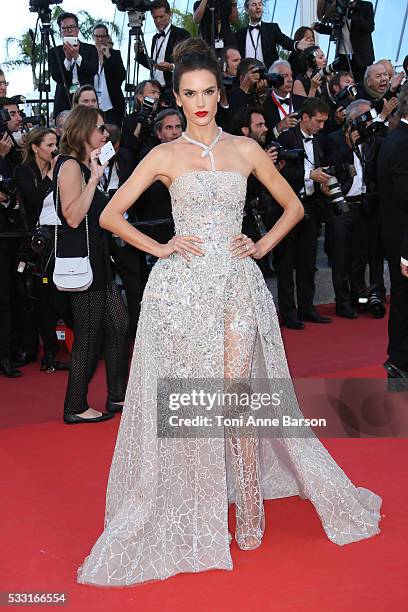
[279, 105]
[160, 46]
[257, 41]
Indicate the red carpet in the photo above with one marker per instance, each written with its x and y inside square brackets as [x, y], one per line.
[53, 486]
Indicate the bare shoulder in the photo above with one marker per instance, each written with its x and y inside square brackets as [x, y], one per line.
[242, 144]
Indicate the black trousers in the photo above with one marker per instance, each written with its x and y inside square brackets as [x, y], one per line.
[297, 253]
[398, 319]
[130, 264]
[348, 247]
[6, 270]
[375, 248]
[99, 317]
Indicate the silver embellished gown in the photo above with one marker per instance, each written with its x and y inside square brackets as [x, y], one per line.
[167, 499]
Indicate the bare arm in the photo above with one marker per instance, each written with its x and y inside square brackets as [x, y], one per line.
[149, 170]
[293, 211]
[199, 12]
[75, 200]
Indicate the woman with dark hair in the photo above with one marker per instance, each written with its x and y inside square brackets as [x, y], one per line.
[85, 95]
[98, 313]
[302, 33]
[34, 181]
[208, 325]
[308, 83]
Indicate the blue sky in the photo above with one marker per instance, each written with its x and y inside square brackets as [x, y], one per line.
[389, 20]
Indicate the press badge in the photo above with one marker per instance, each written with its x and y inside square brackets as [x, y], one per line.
[73, 88]
[219, 43]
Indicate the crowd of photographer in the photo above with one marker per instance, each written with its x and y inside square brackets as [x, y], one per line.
[323, 126]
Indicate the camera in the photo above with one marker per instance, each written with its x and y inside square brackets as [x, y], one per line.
[8, 186]
[336, 197]
[366, 129]
[42, 240]
[37, 6]
[34, 120]
[286, 154]
[148, 110]
[133, 5]
[274, 79]
[340, 63]
[346, 96]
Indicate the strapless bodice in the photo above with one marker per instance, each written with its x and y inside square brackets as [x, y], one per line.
[209, 204]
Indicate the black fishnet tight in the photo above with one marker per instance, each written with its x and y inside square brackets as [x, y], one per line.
[99, 316]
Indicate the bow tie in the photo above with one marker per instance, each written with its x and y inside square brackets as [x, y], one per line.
[287, 101]
[257, 27]
[307, 138]
[160, 34]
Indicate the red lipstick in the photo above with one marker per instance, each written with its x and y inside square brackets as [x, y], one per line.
[201, 113]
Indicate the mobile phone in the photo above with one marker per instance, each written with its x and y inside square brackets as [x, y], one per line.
[107, 152]
[72, 40]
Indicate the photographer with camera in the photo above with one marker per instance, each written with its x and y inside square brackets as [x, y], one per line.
[352, 25]
[261, 211]
[281, 106]
[261, 39]
[34, 182]
[393, 187]
[316, 74]
[252, 87]
[77, 60]
[353, 230]
[297, 252]
[215, 18]
[137, 127]
[110, 76]
[380, 90]
[11, 231]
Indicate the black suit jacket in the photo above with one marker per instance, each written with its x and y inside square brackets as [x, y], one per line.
[271, 112]
[271, 36]
[115, 74]
[175, 36]
[86, 73]
[393, 190]
[361, 27]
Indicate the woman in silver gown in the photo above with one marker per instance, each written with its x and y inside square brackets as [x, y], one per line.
[207, 314]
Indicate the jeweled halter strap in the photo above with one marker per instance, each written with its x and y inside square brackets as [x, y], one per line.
[207, 148]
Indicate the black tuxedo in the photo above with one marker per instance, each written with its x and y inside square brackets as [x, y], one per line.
[347, 235]
[86, 73]
[297, 251]
[271, 36]
[115, 74]
[271, 112]
[175, 36]
[393, 189]
[361, 27]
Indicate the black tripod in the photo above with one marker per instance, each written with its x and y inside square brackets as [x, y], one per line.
[136, 36]
[44, 77]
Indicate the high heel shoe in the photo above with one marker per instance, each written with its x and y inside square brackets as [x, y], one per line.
[250, 538]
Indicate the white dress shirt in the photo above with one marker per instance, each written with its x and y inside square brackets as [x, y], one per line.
[309, 164]
[77, 63]
[357, 187]
[101, 88]
[253, 46]
[159, 52]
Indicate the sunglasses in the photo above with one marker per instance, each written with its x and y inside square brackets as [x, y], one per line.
[101, 128]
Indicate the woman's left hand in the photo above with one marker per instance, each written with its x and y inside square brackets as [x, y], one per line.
[242, 246]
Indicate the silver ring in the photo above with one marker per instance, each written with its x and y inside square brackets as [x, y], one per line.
[246, 247]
